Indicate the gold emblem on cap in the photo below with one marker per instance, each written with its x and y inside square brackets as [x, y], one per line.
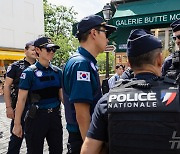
[103, 23]
[49, 41]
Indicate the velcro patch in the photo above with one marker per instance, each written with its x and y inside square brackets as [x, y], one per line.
[83, 76]
[23, 76]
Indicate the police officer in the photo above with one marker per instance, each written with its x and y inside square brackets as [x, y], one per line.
[81, 79]
[135, 124]
[11, 92]
[41, 84]
[176, 37]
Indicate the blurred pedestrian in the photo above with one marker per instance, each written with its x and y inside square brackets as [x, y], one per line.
[116, 76]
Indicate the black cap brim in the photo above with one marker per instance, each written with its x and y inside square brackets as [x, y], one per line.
[110, 28]
[52, 45]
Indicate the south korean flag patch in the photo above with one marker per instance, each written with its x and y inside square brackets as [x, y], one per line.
[83, 76]
[23, 76]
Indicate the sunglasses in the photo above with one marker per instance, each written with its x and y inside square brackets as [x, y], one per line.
[105, 31]
[175, 37]
[51, 49]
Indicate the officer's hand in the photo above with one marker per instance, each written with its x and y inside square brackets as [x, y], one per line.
[17, 130]
[10, 112]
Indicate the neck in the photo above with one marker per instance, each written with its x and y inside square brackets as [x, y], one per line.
[44, 63]
[150, 69]
[90, 48]
[30, 60]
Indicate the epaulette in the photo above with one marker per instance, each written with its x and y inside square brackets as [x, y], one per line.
[33, 67]
[55, 68]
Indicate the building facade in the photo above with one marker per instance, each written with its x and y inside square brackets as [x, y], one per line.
[21, 21]
[153, 15]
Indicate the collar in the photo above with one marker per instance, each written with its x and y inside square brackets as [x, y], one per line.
[27, 61]
[86, 54]
[145, 76]
[41, 67]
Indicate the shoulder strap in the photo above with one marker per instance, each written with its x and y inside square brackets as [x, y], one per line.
[33, 67]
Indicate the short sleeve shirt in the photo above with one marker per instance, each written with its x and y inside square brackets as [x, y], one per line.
[42, 81]
[15, 69]
[81, 80]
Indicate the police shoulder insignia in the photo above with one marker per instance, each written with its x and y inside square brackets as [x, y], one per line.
[9, 68]
[23, 76]
[83, 76]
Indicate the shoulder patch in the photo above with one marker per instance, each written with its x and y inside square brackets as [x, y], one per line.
[23, 76]
[83, 76]
[9, 68]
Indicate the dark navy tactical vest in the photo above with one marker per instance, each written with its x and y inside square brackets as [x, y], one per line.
[45, 88]
[69, 112]
[144, 118]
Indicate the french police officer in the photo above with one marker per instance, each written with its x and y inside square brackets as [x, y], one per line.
[138, 116]
[176, 37]
[41, 84]
[81, 79]
[11, 92]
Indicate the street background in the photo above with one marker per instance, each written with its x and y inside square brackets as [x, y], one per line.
[5, 128]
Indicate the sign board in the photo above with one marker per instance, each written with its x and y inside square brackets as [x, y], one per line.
[110, 48]
[122, 46]
[139, 20]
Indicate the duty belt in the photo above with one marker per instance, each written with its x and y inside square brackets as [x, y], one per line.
[50, 110]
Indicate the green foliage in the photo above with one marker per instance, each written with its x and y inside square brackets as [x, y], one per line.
[58, 21]
[68, 45]
[101, 60]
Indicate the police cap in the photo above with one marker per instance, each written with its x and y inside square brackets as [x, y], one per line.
[45, 42]
[140, 42]
[92, 21]
[175, 25]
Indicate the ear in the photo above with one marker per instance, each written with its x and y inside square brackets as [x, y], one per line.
[93, 33]
[37, 50]
[159, 60]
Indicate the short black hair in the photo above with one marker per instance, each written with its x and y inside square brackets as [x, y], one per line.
[119, 65]
[147, 58]
[83, 37]
[31, 43]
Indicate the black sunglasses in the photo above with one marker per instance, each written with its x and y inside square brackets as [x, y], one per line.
[105, 31]
[51, 49]
[175, 37]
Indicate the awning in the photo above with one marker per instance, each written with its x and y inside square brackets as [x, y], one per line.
[11, 55]
[146, 12]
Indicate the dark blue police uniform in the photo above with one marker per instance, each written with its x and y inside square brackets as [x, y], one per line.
[127, 74]
[166, 65]
[43, 85]
[99, 126]
[133, 123]
[14, 72]
[80, 84]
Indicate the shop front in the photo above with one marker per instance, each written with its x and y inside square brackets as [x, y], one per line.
[8, 56]
[153, 15]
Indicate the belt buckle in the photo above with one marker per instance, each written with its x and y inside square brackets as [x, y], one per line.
[50, 110]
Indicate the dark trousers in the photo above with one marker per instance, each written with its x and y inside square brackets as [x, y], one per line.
[15, 142]
[74, 143]
[44, 125]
